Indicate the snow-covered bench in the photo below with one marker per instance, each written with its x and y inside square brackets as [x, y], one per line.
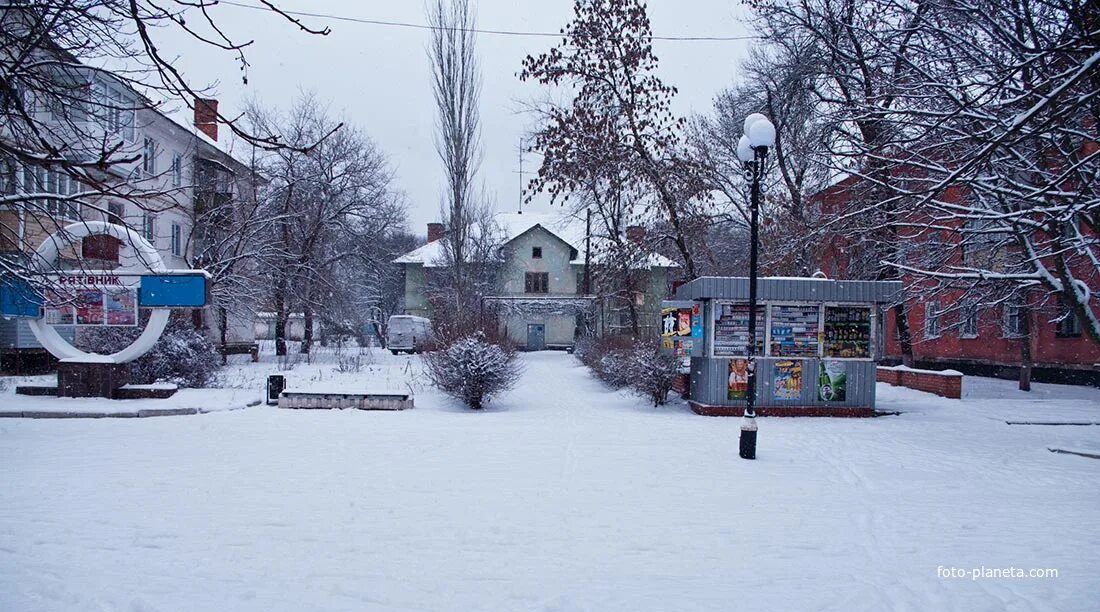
[343, 398]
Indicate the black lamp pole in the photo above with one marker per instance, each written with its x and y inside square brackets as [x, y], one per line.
[754, 170]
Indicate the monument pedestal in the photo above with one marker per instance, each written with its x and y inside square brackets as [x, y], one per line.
[91, 379]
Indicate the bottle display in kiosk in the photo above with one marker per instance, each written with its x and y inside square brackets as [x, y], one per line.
[848, 332]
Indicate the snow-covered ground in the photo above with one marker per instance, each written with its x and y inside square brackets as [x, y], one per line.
[562, 496]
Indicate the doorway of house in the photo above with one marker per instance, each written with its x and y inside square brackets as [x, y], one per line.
[536, 337]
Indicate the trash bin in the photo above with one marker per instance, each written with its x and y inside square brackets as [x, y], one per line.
[275, 385]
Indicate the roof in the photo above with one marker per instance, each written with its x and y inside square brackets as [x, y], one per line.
[567, 228]
[799, 289]
[202, 138]
[430, 255]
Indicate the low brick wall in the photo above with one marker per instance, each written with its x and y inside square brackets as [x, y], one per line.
[682, 384]
[945, 384]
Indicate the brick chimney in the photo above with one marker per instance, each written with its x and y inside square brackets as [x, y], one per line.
[435, 231]
[206, 117]
[635, 233]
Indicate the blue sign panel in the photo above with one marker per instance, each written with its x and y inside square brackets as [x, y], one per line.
[18, 299]
[172, 291]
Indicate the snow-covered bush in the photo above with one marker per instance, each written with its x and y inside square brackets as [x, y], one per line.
[183, 355]
[608, 358]
[621, 362]
[652, 372]
[473, 369]
[584, 347]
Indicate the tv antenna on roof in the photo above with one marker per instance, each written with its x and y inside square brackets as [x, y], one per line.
[520, 173]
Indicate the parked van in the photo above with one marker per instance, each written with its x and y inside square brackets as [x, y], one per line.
[408, 333]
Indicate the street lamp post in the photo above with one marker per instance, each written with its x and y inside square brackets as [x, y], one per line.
[752, 150]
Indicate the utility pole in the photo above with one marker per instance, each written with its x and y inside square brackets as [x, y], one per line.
[588, 252]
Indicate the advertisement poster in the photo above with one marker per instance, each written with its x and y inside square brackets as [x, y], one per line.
[121, 307]
[739, 379]
[685, 323]
[58, 309]
[671, 322]
[788, 380]
[89, 307]
[832, 383]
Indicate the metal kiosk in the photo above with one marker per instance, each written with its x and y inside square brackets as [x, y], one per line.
[818, 341]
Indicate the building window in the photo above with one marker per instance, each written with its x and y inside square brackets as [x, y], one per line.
[8, 183]
[46, 181]
[116, 213]
[177, 170]
[1015, 325]
[537, 282]
[932, 320]
[536, 252]
[1067, 325]
[149, 157]
[969, 322]
[177, 240]
[149, 228]
[116, 113]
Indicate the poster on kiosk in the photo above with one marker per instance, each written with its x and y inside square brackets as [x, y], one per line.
[681, 328]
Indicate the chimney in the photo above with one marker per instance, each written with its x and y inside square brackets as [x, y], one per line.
[435, 231]
[635, 233]
[206, 117]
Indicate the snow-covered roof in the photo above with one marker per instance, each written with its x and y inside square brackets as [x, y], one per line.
[512, 225]
[430, 255]
[180, 122]
[569, 229]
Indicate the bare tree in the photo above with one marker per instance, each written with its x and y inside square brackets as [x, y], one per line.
[773, 81]
[970, 128]
[1004, 157]
[456, 86]
[333, 205]
[618, 120]
[862, 53]
[230, 240]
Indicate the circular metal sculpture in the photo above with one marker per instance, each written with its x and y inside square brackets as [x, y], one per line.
[46, 260]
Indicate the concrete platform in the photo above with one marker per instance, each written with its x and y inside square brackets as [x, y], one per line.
[344, 399]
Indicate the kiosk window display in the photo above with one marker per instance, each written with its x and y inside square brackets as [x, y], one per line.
[794, 331]
[848, 332]
[731, 329]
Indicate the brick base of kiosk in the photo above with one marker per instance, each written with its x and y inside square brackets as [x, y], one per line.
[782, 411]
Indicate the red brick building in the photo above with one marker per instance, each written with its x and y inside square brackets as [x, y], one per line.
[946, 331]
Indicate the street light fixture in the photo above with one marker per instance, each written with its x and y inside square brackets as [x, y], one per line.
[752, 150]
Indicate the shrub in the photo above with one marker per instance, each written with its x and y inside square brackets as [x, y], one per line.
[183, 355]
[608, 358]
[620, 361]
[652, 372]
[473, 370]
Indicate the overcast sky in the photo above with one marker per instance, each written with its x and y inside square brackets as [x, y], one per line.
[378, 77]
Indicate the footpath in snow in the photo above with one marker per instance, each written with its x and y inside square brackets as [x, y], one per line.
[562, 496]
